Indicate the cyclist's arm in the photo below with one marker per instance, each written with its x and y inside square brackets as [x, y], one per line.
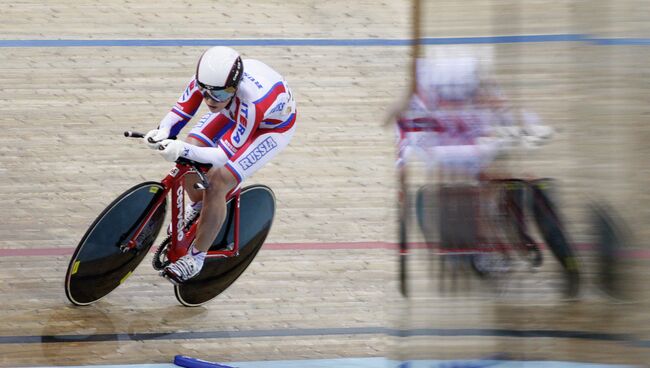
[207, 155]
[234, 139]
[184, 109]
[231, 141]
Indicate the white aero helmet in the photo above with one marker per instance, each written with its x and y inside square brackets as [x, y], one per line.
[218, 73]
[455, 79]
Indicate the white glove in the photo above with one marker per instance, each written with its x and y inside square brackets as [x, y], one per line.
[173, 149]
[157, 135]
[507, 136]
[532, 125]
[540, 131]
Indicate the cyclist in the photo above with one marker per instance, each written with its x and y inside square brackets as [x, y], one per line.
[252, 118]
[458, 120]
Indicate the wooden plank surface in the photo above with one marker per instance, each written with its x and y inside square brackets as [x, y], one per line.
[62, 159]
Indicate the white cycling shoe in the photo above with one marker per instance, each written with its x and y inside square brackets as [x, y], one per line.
[183, 269]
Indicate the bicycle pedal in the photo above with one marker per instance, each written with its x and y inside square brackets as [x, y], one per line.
[169, 278]
[158, 265]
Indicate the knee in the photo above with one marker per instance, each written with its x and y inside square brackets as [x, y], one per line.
[221, 181]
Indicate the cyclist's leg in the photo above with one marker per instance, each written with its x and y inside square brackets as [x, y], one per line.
[212, 217]
[213, 214]
[191, 179]
[248, 160]
[263, 146]
[205, 133]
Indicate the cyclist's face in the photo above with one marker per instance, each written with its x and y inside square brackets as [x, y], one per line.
[215, 106]
[216, 98]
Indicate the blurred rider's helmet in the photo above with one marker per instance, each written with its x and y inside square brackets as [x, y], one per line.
[455, 79]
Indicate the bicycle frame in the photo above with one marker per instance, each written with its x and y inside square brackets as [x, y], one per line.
[180, 240]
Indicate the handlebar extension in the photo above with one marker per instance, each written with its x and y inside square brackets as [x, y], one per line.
[131, 134]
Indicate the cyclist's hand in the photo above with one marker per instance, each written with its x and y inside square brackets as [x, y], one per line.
[171, 149]
[156, 135]
[533, 127]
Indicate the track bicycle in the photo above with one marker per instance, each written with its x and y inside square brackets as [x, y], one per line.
[483, 224]
[123, 234]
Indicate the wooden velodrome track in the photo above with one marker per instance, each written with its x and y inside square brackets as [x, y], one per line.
[324, 286]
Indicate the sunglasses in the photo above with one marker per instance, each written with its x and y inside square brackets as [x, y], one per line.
[219, 94]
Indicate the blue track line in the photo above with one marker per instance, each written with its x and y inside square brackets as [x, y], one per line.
[325, 42]
[620, 41]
